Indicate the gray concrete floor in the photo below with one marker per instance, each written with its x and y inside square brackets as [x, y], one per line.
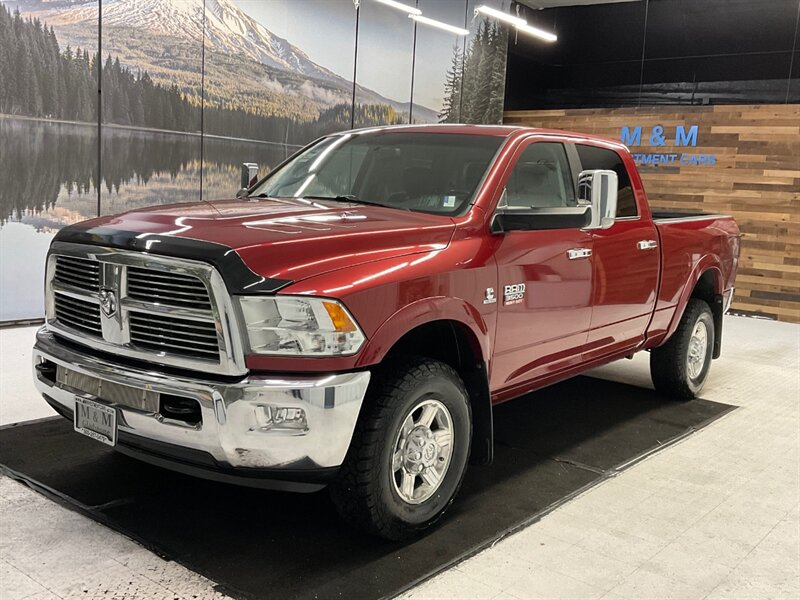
[714, 516]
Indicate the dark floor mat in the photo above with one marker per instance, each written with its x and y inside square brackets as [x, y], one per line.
[260, 544]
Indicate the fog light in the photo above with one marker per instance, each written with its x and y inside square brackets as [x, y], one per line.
[280, 418]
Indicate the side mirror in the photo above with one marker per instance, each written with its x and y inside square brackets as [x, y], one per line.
[249, 178]
[598, 189]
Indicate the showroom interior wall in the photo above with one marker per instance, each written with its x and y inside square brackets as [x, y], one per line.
[656, 70]
[190, 89]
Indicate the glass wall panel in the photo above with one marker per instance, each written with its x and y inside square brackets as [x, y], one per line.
[151, 91]
[436, 53]
[700, 52]
[385, 44]
[483, 64]
[48, 140]
[460, 79]
[278, 74]
[688, 62]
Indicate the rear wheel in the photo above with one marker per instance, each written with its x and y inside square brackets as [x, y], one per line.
[409, 451]
[680, 367]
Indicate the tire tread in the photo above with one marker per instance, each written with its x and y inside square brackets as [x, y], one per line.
[355, 491]
[667, 368]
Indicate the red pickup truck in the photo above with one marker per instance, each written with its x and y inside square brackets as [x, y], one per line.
[352, 318]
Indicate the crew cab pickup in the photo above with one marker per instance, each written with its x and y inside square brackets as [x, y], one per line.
[352, 318]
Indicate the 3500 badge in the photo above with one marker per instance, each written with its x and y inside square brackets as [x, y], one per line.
[514, 293]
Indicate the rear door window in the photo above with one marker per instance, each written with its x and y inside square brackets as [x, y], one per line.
[593, 157]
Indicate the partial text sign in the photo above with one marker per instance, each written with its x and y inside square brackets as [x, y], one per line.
[658, 136]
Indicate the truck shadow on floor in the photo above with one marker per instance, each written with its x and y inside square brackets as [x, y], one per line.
[259, 544]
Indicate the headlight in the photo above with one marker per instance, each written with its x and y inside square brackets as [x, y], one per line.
[299, 326]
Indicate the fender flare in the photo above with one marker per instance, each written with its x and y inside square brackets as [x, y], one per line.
[476, 378]
[709, 262]
[420, 312]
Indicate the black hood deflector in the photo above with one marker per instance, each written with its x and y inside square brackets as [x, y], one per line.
[238, 277]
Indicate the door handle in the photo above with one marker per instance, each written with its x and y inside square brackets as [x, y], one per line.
[578, 253]
[647, 244]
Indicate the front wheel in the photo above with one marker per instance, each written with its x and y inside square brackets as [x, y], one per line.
[409, 451]
[680, 367]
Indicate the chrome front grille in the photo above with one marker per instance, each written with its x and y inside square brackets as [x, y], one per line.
[166, 288]
[78, 314]
[197, 339]
[164, 310]
[79, 273]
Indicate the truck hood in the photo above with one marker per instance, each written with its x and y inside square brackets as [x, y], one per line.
[289, 239]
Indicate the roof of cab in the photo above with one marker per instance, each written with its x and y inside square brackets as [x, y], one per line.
[487, 130]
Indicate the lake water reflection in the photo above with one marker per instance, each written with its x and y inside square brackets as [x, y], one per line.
[49, 180]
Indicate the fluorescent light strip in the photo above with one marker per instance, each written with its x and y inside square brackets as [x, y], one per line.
[539, 33]
[500, 15]
[439, 24]
[400, 6]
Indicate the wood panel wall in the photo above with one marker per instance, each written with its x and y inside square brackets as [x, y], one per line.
[756, 178]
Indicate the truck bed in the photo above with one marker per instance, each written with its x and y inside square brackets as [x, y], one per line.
[686, 240]
[662, 216]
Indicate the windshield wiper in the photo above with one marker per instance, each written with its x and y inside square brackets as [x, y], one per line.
[270, 196]
[355, 199]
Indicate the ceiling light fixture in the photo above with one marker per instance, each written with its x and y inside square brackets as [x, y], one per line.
[518, 22]
[539, 33]
[400, 6]
[439, 24]
[500, 15]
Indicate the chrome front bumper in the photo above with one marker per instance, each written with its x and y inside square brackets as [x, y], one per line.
[231, 431]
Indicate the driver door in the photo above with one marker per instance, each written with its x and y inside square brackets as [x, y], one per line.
[544, 287]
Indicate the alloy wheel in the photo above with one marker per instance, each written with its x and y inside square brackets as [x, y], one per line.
[698, 346]
[422, 450]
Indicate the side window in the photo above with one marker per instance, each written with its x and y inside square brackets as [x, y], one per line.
[541, 178]
[593, 158]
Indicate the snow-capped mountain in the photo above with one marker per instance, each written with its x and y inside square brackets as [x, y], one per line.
[228, 28]
[231, 28]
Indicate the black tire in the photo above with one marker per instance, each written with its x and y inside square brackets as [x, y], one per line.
[669, 364]
[364, 492]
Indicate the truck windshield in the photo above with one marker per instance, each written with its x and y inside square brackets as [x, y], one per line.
[425, 172]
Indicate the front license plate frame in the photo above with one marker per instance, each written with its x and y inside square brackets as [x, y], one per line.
[96, 420]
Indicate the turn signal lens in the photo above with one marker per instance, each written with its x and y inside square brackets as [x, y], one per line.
[340, 319]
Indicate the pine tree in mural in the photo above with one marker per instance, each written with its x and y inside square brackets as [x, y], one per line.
[497, 82]
[475, 82]
[452, 89]
[39, 80]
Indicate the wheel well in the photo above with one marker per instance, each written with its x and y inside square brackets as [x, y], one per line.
[449, 342]
[454, 344]
[706, 289]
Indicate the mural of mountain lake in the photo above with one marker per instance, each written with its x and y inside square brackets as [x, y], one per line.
[49, 180]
